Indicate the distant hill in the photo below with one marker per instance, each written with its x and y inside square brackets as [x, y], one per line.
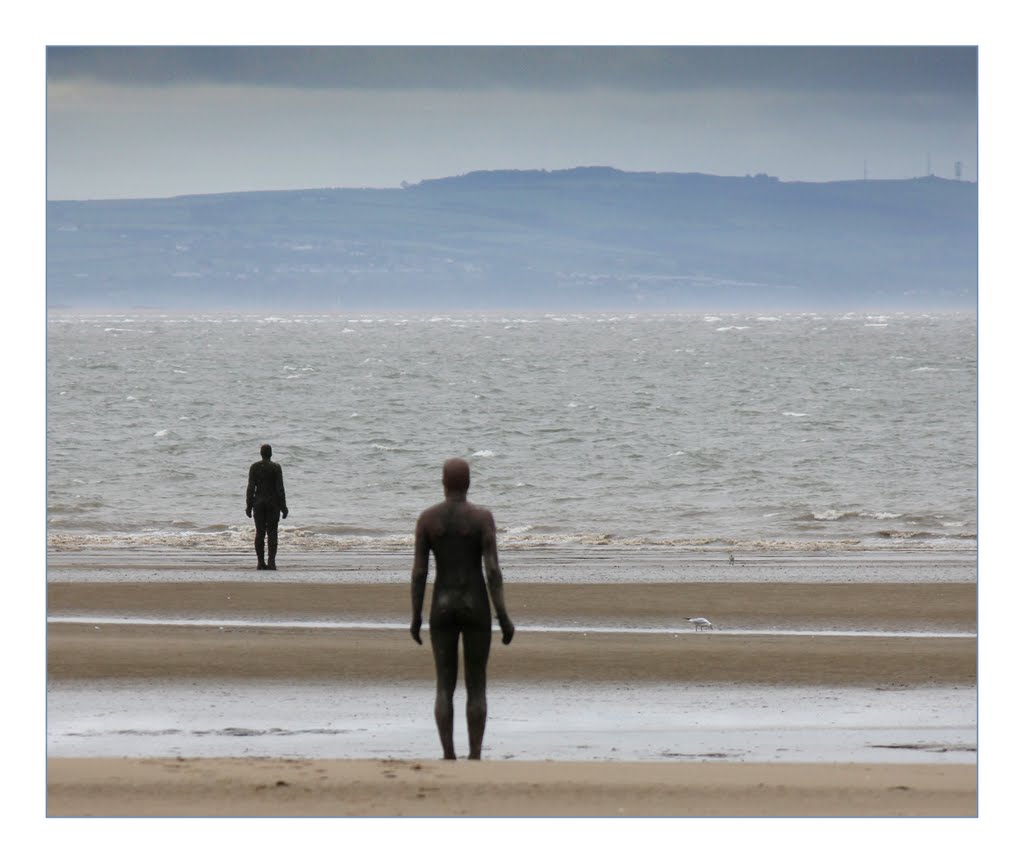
[584, 238]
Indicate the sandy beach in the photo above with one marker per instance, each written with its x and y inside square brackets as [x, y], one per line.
[772, 634]
[278, 787]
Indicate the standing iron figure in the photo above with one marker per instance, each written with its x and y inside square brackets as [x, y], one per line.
[461, 535]
[265, 503]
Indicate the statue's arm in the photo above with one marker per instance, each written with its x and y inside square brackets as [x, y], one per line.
[420, 565]
[495, 584]
[280, 490]
[250, 490]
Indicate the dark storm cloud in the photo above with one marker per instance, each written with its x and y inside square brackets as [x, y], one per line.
[882, 69]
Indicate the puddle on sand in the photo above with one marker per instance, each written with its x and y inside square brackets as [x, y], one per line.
[557, 722]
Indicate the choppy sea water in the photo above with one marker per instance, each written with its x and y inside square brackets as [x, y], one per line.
[767, 432]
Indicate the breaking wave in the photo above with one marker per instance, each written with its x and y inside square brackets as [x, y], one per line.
[521, 538]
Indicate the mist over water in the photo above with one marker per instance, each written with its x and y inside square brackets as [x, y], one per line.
[787, 431]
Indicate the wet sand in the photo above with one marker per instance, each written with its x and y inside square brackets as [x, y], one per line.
[665, 649]
[129, 651]
[84, 650]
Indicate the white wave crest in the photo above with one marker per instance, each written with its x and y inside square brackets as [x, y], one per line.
[828, 515]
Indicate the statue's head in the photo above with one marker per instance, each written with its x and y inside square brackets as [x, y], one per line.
[455, 475]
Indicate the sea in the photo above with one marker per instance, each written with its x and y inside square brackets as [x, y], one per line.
[790, 432]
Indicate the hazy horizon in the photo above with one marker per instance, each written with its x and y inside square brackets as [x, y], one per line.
[405, 184]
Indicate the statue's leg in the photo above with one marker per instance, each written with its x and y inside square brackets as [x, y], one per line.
[271, 544]
[445, 644]
[476, 646]
[261, 533]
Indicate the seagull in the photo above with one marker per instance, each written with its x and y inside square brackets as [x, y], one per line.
[701, 623]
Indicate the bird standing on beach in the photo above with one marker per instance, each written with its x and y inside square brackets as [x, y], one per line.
[732, 560]
[701, 623]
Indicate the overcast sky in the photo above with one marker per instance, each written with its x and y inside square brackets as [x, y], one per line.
[161, 121]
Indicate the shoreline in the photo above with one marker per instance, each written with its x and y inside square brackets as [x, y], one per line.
[577, 565]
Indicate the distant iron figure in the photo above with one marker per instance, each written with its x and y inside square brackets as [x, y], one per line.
[265, 503]
[460, 535]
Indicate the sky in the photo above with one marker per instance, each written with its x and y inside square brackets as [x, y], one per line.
[141, 121]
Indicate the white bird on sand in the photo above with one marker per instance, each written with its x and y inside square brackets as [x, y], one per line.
[701, 623]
